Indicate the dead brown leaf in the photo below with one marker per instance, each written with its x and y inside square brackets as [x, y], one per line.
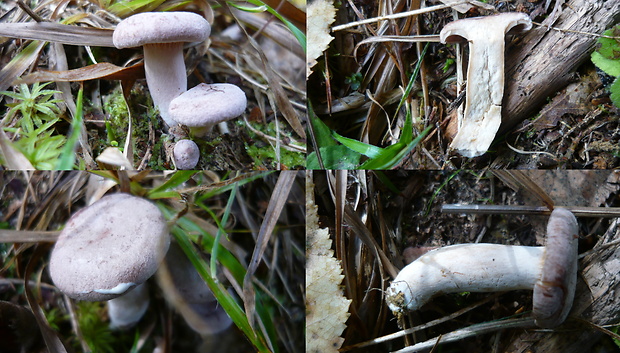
[92, 72]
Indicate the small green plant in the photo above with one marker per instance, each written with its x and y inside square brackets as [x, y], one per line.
[355, 80]
[40, 146]
[265, 156]
[38, 114]
[35, 106]
[447, 65]
[607, 58]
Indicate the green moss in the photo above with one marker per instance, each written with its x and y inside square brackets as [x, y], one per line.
[116, 109]
[265, 156]
[143, 113]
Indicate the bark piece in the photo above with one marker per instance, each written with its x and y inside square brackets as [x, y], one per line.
[546, 59]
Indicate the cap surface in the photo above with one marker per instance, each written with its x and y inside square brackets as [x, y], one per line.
[554, 292]
[206, 105]
[109, 247]
[186, 154]
[160, 27]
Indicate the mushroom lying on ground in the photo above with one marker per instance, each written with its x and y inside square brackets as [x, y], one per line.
[186, 154]
[162, 35]
[550, 271]
[109, 247]
[485, 76]
[126, 310]
[204, 106]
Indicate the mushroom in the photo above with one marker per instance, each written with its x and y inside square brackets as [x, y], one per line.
[162, 35]
[550, 271]
[109, 247]
[204, 106]
[485, 76]
[186, 154]
[184, 289]
[126, 310]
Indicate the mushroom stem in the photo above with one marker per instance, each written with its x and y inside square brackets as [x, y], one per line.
[126, 310]
[550, 271]
[164, 68]
[465, 268]
[485, 77]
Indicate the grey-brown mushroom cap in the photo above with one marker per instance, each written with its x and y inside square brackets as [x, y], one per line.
[160, 27]
[109, 247]
[555, 290]
[207, 105]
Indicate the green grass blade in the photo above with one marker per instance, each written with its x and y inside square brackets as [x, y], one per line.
[126, 8]
[178, 178]
[394, 154]
[67, 157]
[299, 35]
[367, 150]
[414, 75]
[226, 300]
[220, 231]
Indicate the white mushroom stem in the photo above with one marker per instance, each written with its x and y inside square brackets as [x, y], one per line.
[485, 77]
[126, 310]
[465, 268]
[164, 68]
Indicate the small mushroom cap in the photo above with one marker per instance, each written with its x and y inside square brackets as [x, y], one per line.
[160, 27]
[207, 105]
[186, 154]
[481, 27]
[555, 290]
[109, 247]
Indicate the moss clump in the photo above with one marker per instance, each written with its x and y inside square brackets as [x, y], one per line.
[264, 156]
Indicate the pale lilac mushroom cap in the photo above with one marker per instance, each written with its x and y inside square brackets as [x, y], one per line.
[186, 154]
[162, 35]
[555, 289]
[204, 106]
[109, 247]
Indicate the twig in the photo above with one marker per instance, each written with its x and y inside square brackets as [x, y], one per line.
[25, 236]
[529, 152]
[579, 211]
[419, 327]
[473, 330]
[396, 15]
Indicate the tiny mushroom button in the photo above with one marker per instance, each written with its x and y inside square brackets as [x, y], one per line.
[204, 106]
[162, 35]
[551, 271]
[186, 154]
[109, 247]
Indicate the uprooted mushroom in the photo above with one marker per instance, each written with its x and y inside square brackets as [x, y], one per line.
[550, 271]
[482, 117]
